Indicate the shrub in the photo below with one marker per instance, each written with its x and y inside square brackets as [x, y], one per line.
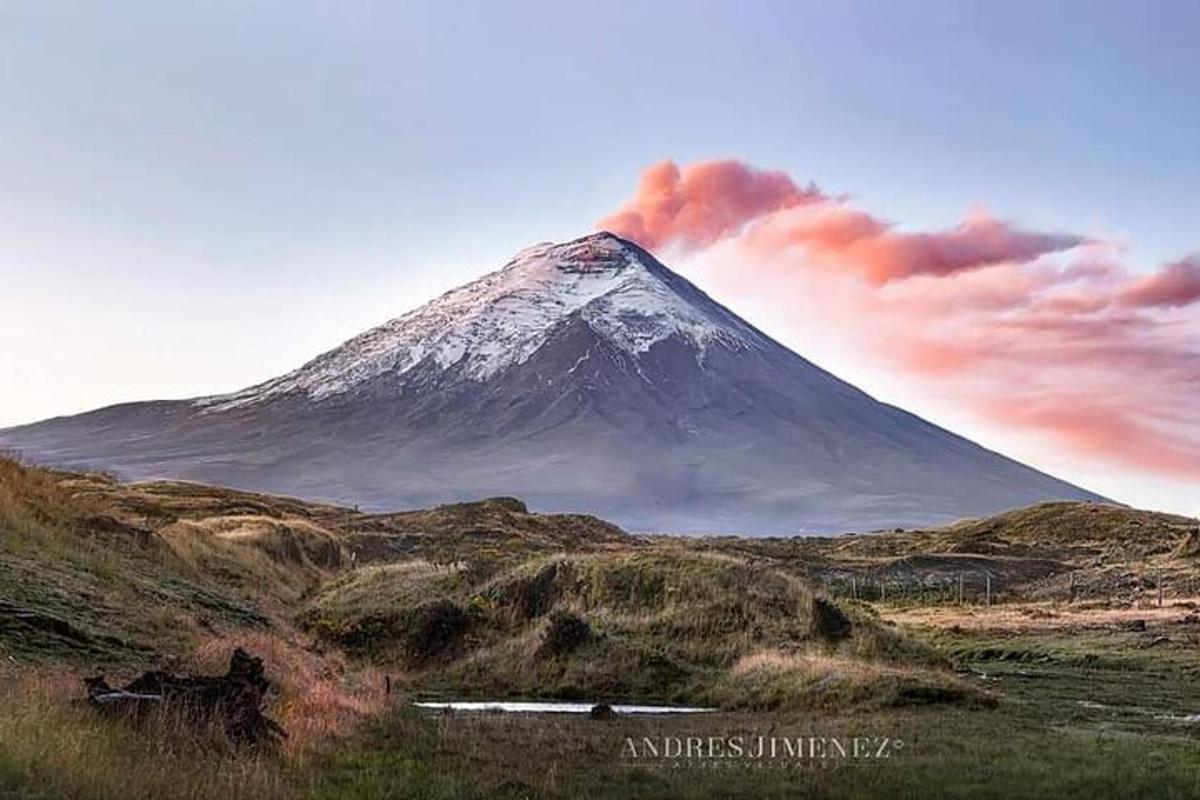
[531, 596]
[564, 633]
[436, 628]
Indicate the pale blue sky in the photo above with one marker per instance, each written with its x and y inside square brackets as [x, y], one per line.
[195, 196]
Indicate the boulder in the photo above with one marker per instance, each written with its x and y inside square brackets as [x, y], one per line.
[828, 622]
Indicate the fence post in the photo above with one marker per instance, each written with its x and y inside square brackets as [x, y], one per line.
[988, 576]
[960, 588]
[853, 588]
[1158, 580]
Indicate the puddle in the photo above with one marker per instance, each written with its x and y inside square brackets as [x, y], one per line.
[551, 707]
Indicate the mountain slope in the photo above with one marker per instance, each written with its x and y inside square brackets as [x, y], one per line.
[584, 376]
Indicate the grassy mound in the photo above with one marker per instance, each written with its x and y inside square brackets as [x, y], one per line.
[282, 559]
[77, 585]
[653, 623]
[1055, 529]
[1189, 545]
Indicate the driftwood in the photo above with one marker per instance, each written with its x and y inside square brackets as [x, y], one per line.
[234, 699]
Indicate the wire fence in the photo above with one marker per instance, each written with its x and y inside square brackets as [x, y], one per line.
[972, 587]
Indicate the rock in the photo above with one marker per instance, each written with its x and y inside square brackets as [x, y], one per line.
[1136, 625]
[602, 711]
[828, 622]
[510, 504]
[920, 694]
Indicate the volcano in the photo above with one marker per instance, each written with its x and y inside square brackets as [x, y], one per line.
[583, 376]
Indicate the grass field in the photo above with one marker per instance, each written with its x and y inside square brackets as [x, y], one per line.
[1076, 681]
[1087, 711]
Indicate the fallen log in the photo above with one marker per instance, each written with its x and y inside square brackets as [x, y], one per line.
[234, 699]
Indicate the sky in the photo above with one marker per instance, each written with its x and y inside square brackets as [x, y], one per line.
[197, 196]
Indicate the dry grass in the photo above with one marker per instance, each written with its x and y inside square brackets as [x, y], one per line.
[76, 552]
[1047, 528]
[771, 679]
[279, 559]
[288, 540]
[194, 571]
[666, 623]
[52, 747]
[382, 587]
[1038, 616]
[322, 700]
[52, 743]
[817, 666]
[33, 504]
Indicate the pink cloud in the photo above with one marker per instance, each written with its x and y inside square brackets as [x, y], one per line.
[1037, 331]
[841, 237]
[701, 203]
[1099, 429]
[1176, 284]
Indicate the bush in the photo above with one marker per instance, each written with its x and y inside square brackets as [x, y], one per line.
[564, 632]
[531, 596]
[437, 627]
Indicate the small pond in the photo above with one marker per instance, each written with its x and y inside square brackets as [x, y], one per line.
[553, 707]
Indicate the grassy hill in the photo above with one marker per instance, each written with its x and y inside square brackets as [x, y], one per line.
[460, 598]
[490, 600]
[648, 622]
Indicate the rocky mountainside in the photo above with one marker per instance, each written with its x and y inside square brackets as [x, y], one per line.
[583, 376]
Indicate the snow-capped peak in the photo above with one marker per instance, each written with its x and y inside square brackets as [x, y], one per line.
[500, 320]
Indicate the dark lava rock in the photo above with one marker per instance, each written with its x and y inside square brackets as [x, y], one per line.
[828, 621]
[602, 711]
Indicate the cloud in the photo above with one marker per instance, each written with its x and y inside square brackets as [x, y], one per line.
[695, 206]
[1177, 284]
[837, 236]
[1101, 430]
[1035, 331]
[702, 203]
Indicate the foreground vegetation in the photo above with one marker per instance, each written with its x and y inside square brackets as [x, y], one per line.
[1074, 682]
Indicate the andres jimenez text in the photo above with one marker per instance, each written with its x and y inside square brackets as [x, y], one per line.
[751, 750]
